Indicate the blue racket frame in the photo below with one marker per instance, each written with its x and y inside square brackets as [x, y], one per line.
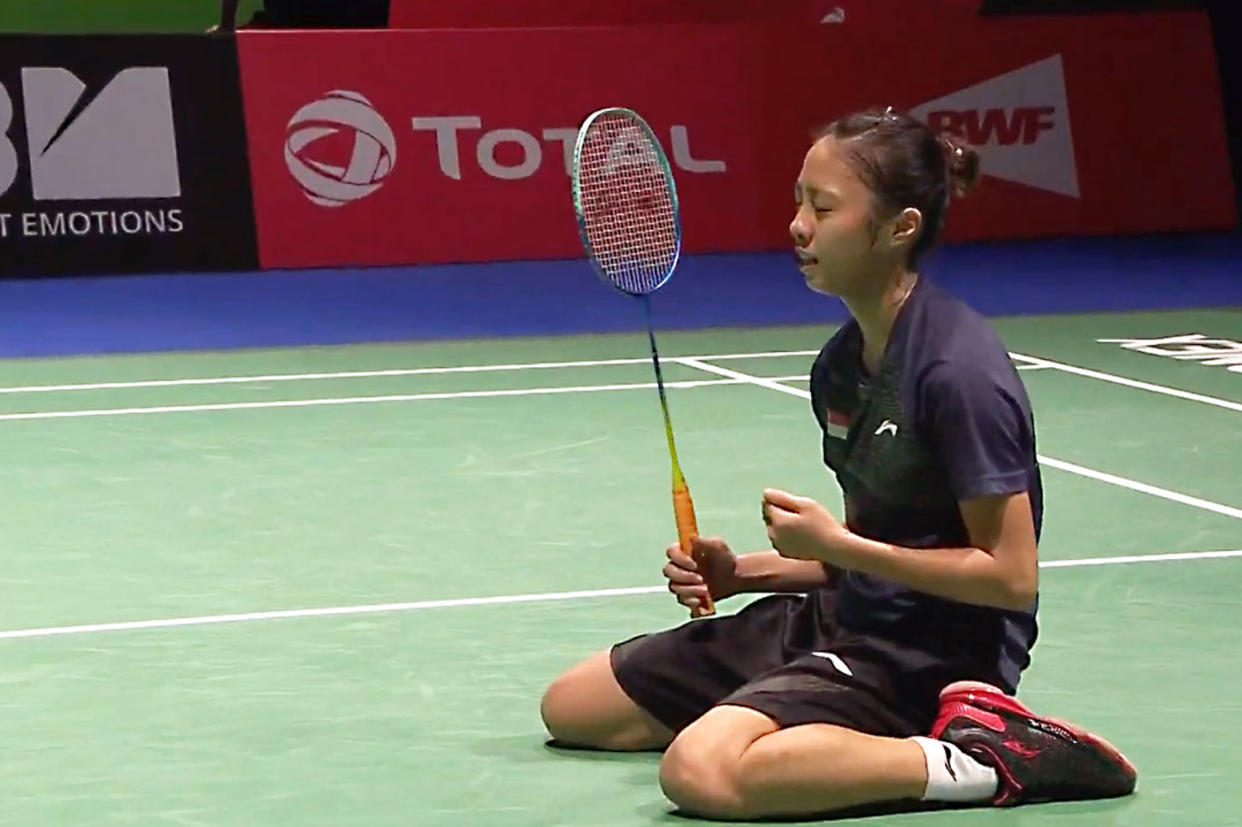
[576, 190]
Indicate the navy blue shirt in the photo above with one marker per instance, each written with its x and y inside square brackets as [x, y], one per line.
[944, 418]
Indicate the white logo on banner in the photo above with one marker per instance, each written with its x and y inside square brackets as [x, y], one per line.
[1019, 121]
[118, 144]
[371, 159]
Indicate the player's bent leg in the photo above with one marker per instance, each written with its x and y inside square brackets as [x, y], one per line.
[736, 763]
[586, 707]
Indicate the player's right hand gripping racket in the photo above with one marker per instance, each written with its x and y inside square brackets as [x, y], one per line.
[630, 225]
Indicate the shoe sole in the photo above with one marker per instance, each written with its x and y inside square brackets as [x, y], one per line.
[991, 699]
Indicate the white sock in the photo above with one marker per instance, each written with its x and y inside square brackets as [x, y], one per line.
[952, 775]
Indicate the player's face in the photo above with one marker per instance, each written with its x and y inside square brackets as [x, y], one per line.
[833, 230]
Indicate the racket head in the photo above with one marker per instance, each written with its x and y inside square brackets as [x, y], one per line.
[625, 200]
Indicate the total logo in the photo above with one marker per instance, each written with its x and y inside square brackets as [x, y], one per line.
[1019, 121]
[340, 148]
[372, 155]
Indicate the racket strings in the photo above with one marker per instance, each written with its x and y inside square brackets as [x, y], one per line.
[629, 215]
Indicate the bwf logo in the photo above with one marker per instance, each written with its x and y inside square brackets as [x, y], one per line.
[1019, 120]
[86, 143]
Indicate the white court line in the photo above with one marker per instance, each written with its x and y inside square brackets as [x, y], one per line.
[730, 376]
[1129, 383]
[1141, 558]
[325, 612]
[746, 378]
[1111, 479]
[292, 377]
[418, 605]
[361, 400]
[1134, 485]
[1031, 363]
[362, 374]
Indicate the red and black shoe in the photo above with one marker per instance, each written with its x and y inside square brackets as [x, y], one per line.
[1035, 758]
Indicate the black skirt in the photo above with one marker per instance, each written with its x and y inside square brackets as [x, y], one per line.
[788, 657]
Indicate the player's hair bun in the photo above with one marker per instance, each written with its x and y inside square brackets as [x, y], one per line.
[961, 163]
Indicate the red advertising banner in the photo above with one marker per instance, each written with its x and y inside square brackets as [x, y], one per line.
[390, 147]
[397, 146]
[1087, 124]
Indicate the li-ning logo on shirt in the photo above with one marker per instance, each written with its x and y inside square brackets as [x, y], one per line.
[836, 661]
[888, 426]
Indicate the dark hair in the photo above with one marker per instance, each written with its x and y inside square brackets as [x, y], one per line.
[905, 164]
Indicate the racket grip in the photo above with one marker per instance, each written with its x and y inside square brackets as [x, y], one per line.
[687, 530]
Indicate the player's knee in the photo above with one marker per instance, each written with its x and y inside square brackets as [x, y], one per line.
[574, 715]
[561, 718]
[701, 782]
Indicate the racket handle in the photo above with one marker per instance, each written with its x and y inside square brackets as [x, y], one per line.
[687, 530]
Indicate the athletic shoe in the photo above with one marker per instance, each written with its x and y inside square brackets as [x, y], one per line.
[1035, 758]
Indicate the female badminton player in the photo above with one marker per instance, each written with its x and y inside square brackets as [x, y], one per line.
[884, 667]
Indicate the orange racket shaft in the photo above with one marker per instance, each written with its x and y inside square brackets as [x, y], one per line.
[687, 530]
[683, 506]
